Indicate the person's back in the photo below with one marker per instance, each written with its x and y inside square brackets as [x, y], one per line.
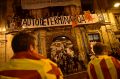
[26, 63]
[103, 66]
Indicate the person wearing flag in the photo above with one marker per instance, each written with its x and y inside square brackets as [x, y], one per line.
[103, 66]
[27, 63]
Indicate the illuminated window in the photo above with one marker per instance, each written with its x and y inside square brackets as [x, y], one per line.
[94, 37]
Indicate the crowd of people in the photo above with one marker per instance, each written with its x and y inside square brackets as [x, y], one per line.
[67, 63]
[63, 53]
[28, 64]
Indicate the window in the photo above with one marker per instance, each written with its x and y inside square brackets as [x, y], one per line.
[94, 37]
[56, 11]
[117, 18]
[119, 39]
[87, 5]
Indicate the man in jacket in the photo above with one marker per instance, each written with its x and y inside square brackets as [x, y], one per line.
[103, 66]
[27, 63]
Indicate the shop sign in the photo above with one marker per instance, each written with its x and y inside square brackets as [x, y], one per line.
[60, 21]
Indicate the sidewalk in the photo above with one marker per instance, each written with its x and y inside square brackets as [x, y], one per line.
[79, 75]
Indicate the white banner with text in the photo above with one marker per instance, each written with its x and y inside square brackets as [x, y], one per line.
[59, 21]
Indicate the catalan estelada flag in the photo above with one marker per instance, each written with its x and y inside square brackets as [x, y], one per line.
[104, 67]
[74, 21]
[88, 16]
[30, 66]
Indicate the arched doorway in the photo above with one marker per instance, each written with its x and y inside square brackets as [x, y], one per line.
[61, 45]
[63, 53]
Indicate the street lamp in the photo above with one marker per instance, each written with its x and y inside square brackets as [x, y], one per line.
[117, 4]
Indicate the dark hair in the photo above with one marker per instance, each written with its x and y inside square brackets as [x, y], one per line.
[98, 48]
[22, 41]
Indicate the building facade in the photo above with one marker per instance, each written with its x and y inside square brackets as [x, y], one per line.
[65, 29]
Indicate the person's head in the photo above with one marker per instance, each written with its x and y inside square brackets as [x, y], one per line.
[23, 41]
[100, 48]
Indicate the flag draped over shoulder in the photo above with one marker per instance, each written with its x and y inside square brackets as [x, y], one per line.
[30, 67]
[104, 67]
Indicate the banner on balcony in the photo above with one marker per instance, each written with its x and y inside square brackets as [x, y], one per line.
[59, 21]
[37, 4]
